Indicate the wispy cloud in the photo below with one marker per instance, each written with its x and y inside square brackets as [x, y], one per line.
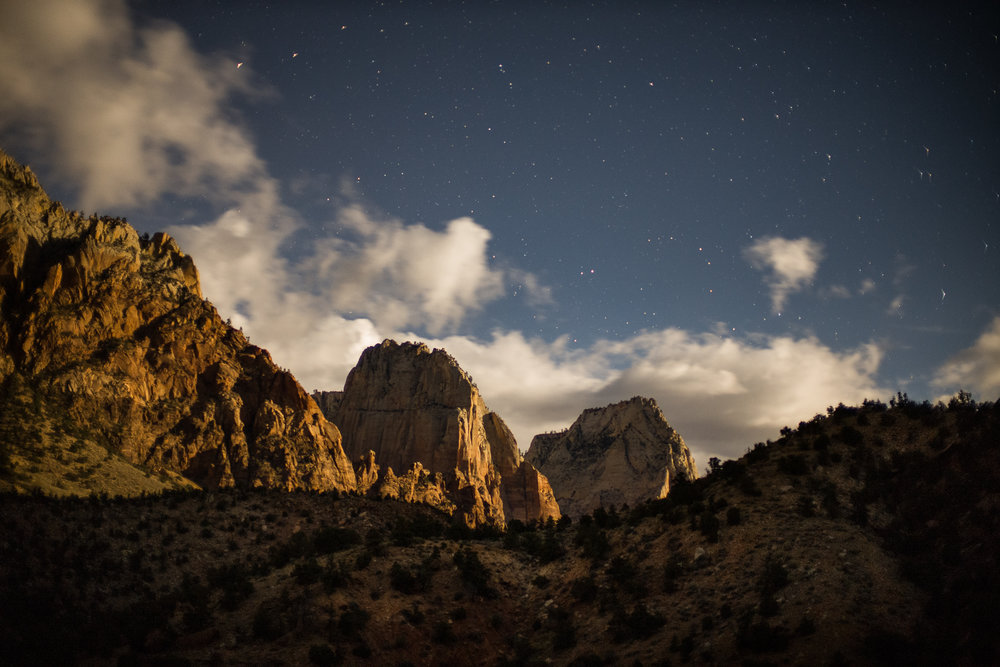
[976, 368]
[789, 264]
[133, 112]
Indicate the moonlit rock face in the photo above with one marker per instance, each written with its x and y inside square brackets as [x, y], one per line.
[621, 453]
[412, 405]
[111, 328]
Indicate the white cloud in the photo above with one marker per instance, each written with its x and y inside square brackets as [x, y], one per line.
[132, 112]
[975, 369]
[406, 275]
[790, 264]
[721, 393]
[318, 313]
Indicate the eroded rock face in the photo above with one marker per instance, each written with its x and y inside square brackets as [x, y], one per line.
[113, 330]
[409, 405]
[621, 453]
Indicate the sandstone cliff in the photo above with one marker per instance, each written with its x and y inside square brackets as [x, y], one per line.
[621, 453]
[410, 405]
[110, 331]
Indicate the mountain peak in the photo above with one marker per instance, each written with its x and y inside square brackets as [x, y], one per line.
[625, 452]
[409, 404]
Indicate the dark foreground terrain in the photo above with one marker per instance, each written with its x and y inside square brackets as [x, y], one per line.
[865, 536]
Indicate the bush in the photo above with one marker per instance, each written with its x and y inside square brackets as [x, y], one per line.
[584, 589]
[442, 632]
[353, 620]
[639, 624]
[733, 516]
[474, 573]
[793, 464]
[324, 655]
[409, 582]
[330, 539]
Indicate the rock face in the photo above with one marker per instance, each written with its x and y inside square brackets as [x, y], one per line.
[622, 453]
[111, 330]
[410, 405]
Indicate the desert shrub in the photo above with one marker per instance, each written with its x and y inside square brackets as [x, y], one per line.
[733, 516]
[759, 452]
[806, 627]
[268, 624]
[563, 630]
[793, 464]
[307, 572]
[234, 581]
[708, 524]
[774, 576]
[584, 589]
[353, 620]
[672, 571]
[806, 506]
[330, 539]
[621, 570]
[850, 436]
[592, 540]
[474, 573]
[442, 632]
[639, 624]
[409, 581]
[761, 637]
[749, 487]
[363, 560]
[323, 655]
[414, 615]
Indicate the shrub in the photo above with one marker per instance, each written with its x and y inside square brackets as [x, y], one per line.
[307, 572]
[330, 539]
[708, 523]
[793, 464]
[353, 620]
[442, 632]
[639, 624]
[324, 655]
[584, 589]
[733, 516]
[474, 573]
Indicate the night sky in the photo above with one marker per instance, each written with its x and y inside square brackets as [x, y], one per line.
[748, 211]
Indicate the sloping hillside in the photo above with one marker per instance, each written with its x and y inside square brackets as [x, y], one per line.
[864, 536]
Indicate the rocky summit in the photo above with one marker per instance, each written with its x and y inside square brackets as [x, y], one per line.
[621, 453]
[107, 343]
[427, 428]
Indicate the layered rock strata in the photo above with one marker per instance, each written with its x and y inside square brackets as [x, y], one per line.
[410, 405]
[621, 453]
[111, 330]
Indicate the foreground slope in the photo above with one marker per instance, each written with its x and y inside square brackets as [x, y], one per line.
[866, 536]
[106, 342]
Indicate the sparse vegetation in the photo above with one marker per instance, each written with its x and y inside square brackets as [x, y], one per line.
[142, 578]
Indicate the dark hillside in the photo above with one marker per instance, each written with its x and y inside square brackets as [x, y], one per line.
[865, 536]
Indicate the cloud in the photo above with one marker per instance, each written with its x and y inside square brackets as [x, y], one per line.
[132, 112]
[406, 275]
[790, 264]
[721, 393]
[975, 369]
